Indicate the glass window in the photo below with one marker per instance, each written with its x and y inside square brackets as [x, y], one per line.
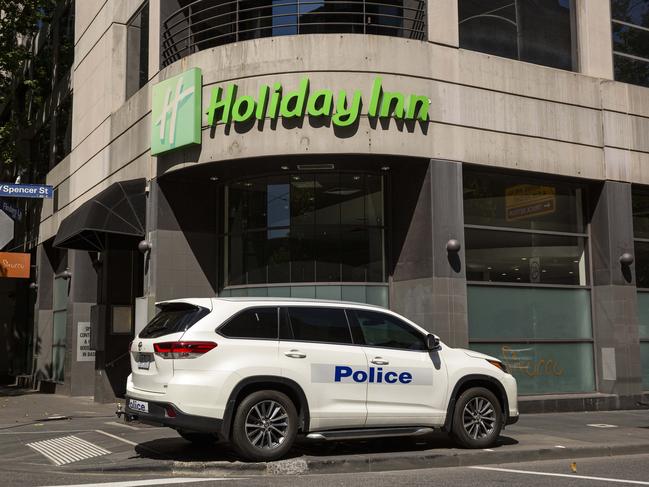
[521, 201]
[514, 313]
[644, 364]
[643, 315]
[500, 256]
[630, 40]
[260, 323]
[328, 325]
[536, 31]
[137, 54]
[541, 368]
[173, 318]
[304, 228]
[382, 330]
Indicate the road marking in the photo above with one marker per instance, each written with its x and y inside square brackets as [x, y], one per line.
[122, 425]
[559, 446]
[67, 449]
[602, 425]
[135, 483]
[52, 432]
[547, 474]
[123, 440]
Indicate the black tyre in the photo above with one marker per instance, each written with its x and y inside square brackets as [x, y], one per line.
[265, 426]
[477, 419]
[203, 439]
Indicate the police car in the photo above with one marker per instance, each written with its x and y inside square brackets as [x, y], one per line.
[258, 372]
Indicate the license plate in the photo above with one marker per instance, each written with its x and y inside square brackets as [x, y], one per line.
[141, 406]
[143, 360]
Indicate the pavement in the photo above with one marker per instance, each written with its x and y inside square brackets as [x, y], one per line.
[59, 436]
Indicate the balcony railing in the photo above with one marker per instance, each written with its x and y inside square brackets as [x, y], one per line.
[202, 24]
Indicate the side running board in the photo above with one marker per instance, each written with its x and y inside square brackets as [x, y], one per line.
[358, 434]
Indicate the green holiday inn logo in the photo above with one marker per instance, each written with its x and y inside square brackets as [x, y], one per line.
[177, 106]
[176, 112]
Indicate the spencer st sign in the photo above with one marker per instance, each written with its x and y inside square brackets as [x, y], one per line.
[176, 107]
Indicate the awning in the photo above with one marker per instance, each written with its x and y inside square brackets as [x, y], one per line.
[117, 213]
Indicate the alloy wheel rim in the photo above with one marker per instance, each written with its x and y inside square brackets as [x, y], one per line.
[267, 425]
[479, 418]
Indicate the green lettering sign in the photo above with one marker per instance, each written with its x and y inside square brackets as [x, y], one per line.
[176, 112]
[177, 119]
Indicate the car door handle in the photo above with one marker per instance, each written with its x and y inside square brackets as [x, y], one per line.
[295, 354]
[379, 361]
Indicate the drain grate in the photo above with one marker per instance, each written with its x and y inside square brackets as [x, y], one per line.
[67, 449]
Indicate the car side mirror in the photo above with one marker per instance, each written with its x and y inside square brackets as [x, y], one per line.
[432, 342]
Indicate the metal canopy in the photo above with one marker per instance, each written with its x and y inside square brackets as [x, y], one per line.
[117, 213]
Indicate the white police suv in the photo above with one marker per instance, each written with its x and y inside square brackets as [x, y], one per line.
[257, 372]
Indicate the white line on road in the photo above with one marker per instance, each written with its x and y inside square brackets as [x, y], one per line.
[67, 449]
[135, 483]
[122, 425]
[547, 474]
[123, 440]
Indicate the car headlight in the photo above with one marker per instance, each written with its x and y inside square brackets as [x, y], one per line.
[500, 365]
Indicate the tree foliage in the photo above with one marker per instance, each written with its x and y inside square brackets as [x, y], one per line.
[20, 20]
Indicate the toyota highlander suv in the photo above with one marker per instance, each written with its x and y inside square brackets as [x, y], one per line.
[258, 372]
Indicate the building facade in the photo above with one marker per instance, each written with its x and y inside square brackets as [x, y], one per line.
[481, 167]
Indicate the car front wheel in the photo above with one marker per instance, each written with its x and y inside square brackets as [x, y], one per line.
[265, 426]
[477, 419]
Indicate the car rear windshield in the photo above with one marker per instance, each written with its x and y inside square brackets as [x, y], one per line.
[173, 318]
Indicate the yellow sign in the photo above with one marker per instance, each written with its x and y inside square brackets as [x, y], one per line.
[527, 200]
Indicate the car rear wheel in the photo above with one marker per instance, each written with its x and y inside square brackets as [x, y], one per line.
[477, 419]
[265, 426]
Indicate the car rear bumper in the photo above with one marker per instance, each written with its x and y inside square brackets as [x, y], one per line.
[167, 414]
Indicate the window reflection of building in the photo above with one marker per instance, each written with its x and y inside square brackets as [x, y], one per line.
[536, 31]
[640, 201]
[630, 27]
[527, 274]
[304, 228]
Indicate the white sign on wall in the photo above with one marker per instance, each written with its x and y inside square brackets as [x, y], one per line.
[84, 353]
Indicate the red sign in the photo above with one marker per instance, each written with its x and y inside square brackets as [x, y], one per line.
[14, 265]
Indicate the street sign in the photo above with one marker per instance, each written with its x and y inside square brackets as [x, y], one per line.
[11, 210]
[14, 265]
[6, 229]
[26, 190]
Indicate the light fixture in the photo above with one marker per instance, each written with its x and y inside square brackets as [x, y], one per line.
[66, 274]
[214, 178]
[453, 245]
[144, 246]
[626, 258]
[284, 168]
[385, 168]
[33, 285]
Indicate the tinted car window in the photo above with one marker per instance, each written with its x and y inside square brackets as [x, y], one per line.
[173, 318]
[252, 323]
[319, 325]
[382, 330]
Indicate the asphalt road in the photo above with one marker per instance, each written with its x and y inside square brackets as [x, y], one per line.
[41, 446]
[628, 470]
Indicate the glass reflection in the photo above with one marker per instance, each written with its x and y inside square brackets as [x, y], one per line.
[497, 256]
[304, 228]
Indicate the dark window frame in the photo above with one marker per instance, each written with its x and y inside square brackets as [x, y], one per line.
[219, 329]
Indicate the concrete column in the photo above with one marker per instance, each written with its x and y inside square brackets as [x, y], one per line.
[184, 257]
[442, 22]
[428, 283]
[79, 375]
[615, 318]
[155, 19]
[594, 47]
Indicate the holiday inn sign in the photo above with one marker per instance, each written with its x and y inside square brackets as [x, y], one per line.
[177, 105]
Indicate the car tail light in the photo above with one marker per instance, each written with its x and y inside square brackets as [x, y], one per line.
[179, 350]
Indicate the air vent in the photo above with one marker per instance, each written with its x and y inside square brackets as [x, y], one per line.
[314, 167]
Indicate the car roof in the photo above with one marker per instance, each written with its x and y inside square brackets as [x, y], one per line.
[268, 300]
